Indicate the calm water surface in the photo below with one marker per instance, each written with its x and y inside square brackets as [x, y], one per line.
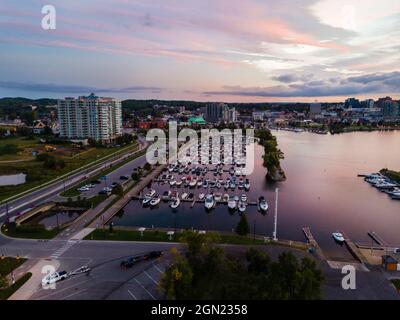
[322, 191]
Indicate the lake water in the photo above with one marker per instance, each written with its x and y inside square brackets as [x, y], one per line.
[12, 179]
[322, 191]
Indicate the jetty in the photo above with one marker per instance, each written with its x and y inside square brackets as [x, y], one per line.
[311, 240]
[354, 249]
[378, 239]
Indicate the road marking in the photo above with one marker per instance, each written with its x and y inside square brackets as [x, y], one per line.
[73, 294]
[133, 296]
[145, 272]
[157, 268]
[66, 288]
[145, 289]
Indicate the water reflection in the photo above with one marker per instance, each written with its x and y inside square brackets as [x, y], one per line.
[322, 191]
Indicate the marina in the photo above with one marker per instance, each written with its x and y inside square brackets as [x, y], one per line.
[322, 191]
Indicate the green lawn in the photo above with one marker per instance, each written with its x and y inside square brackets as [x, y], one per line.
[7, 264]
[8, 292]
[28, 231]
[37, 174]
[396, 283]
[72, 192]
[159, 236]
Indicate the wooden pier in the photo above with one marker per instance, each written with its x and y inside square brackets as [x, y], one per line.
[311, 240]
[374, 236]
[354, 249]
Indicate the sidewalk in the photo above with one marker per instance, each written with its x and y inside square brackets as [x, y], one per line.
[107, 216]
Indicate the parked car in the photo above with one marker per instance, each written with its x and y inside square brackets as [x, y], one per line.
[124, 177]
[95, 182]
[54, 277]
[113, 185]
[130, 262]
[153, 255]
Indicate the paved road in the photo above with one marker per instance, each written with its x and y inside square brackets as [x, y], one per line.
[106, 281]
[51, 192]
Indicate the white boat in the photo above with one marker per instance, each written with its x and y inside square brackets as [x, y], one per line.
[175, 203]
[231, 204]
[218, 185]
[178, 183]
[193, 183]
[233, 186]
[236, 197]
[218, 197]
[225, 198]
[166, 195]
[262, 204]
[243, 197]
[338, 237]
[209, 202]
[226, 185]
[150, 193]
[201, 196]
[242, 207]
[155, 201]
[146, 200]
[247, 184]
[184, 196]
[199, 183]
[172, 183]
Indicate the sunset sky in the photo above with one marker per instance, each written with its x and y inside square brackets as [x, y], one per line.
[205, 50]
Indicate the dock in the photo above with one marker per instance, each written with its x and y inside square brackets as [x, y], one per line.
[311, 240]
[354, 249]
[194, 201]
[378, 239]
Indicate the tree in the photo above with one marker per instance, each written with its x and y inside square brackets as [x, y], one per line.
[3, 282]
[47, 131]
[135, 176]
[147, 166]
[243, 228]
[177, 279]
[118, 190]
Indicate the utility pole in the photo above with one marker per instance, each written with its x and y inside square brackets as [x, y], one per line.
[276, 215]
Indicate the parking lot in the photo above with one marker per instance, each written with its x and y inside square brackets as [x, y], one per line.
[108, 281]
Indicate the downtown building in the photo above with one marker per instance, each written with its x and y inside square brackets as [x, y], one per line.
[217, 112]
[90, 117]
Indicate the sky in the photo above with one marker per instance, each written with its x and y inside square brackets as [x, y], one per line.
[204, 50]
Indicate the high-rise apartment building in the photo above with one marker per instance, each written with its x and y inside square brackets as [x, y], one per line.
[90, 117]
[216, 112]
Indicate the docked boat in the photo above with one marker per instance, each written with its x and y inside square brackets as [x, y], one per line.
[184, 196]
[150, 193]
[243, 197]
[232, 203]
[193, 183]
[166, 195]
[209, 202]
[242, 207]
[262, 204]
[218, 185]
[175, 203]
[146, 200]
[247, 184]
[190, 197]
[199, 183]
[226, 185]
[218, 197]
[205, 184]
[172, 183]
[236, 197]
[233, 186]
[225, 198]
[201, 196]
[338, 237]
[155, 201]
[178, 183]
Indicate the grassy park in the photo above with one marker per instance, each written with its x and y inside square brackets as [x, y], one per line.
[7, 265]
[59, 160]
